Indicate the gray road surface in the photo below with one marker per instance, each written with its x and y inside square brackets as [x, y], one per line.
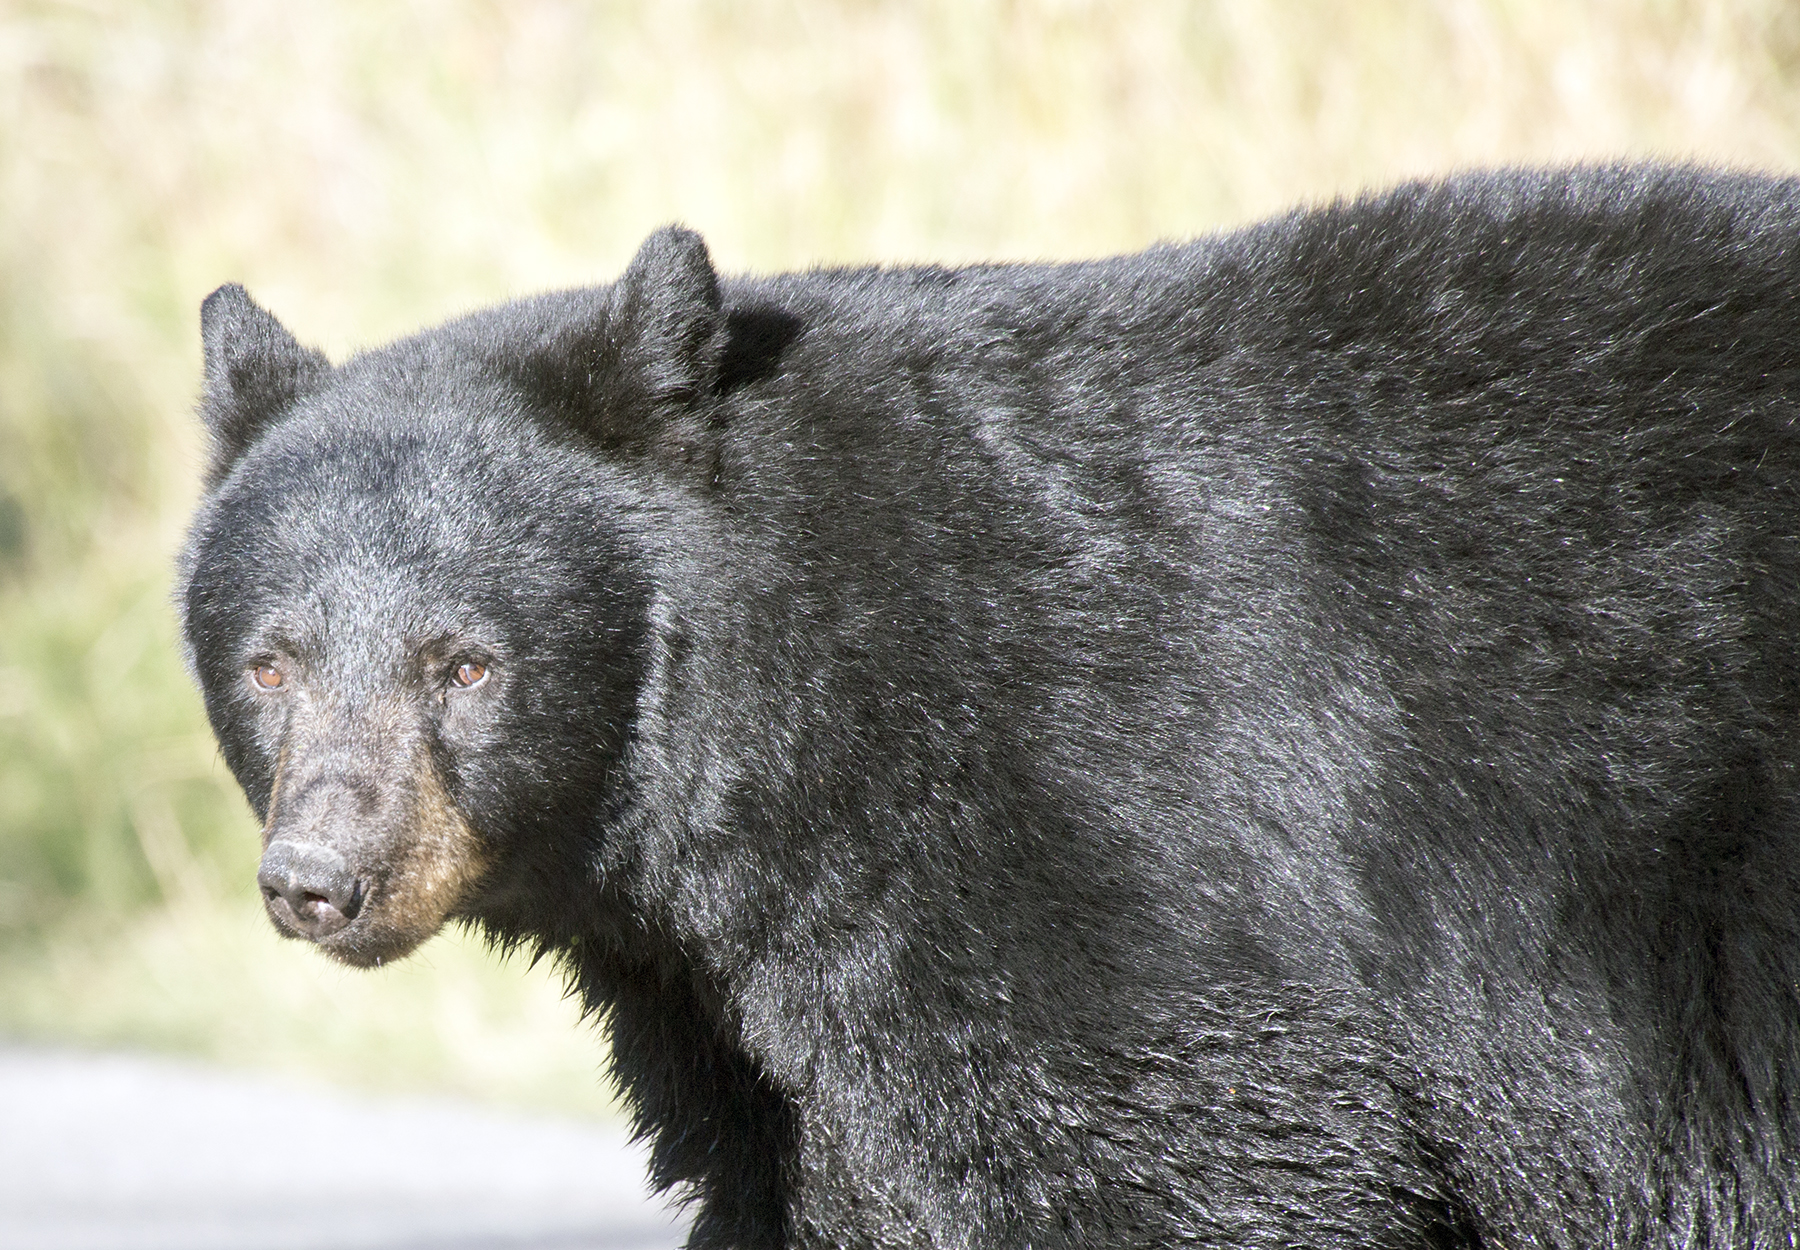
[116, 1152]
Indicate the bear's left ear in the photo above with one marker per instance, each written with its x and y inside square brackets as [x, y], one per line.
[638, 374]
[666, 317]
[255, 370]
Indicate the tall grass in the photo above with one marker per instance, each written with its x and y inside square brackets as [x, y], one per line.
[368, 168]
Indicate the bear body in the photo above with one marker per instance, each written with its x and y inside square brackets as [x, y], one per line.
[1288, 740]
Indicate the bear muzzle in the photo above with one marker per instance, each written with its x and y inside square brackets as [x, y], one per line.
[368, 866]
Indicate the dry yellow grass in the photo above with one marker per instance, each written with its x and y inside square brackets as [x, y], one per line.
[367, 168]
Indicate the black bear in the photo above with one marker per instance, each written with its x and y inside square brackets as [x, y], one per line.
[1284, 741]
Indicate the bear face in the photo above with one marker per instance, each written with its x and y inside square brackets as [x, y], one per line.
[392, 607]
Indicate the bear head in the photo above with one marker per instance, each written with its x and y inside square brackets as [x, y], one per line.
[414, 594]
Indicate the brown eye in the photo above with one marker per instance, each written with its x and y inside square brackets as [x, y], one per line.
[267, 677]
[469, 673]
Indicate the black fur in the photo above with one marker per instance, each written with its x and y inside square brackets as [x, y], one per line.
[1288, 740]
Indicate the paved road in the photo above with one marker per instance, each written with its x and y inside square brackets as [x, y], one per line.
[114, 1152]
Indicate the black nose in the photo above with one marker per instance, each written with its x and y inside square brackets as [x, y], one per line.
[309, 887]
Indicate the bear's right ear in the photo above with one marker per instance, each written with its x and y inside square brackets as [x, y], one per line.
[255, 370]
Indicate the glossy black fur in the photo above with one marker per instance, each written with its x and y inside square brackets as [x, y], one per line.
[1288, 740]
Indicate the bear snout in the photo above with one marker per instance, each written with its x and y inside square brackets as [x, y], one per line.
[309, 889]
[366, 861]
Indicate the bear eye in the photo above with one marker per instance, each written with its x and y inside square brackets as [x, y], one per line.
[469, 673]
[267, 677]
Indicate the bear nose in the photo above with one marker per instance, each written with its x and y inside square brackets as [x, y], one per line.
[309, 887]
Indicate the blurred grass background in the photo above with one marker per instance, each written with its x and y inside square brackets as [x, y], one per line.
[367, 168]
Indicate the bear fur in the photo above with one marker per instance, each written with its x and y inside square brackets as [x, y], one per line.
[1283, 741]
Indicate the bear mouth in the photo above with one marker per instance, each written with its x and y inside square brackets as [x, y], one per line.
[364, 930]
